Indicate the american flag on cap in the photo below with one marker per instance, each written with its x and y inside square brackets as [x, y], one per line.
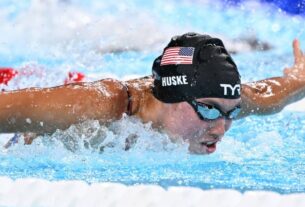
[178, 55]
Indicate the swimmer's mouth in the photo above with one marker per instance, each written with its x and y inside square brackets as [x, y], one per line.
[210, 146]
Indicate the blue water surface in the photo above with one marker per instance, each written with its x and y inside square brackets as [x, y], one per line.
[258, 153]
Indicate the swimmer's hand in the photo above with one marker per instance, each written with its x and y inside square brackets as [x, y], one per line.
[297, 71]
[28, 139]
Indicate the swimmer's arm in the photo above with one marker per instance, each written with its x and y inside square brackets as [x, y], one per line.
[272, 95]
[43, 110]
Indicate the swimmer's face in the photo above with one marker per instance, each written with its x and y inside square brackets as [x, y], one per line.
[202, 135]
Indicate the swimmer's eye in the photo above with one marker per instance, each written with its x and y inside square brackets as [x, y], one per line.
[209, 112]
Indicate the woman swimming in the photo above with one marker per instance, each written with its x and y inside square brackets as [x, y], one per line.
[194, 93]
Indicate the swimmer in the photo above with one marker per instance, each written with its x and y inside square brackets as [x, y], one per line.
[194, 94]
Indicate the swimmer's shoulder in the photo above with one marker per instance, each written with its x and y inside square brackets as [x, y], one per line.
[109, 87]
[116, 86]
[143, 83]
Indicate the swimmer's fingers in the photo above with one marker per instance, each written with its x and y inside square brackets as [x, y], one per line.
[287, 71]
[29, 137]
[12, 140]
[297, 71]
[297, 52]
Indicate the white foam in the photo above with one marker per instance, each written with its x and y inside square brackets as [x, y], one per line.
[58, 30]
[37, 29]
[38, 192]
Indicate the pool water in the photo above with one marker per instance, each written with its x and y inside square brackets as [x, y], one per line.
[120, 40]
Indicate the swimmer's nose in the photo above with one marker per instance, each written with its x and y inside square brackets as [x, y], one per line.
[218, 127]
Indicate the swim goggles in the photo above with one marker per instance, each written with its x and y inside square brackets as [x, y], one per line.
[208, 112]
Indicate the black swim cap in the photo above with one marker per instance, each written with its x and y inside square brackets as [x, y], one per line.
[195, 66]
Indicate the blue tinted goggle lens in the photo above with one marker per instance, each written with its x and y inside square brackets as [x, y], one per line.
[205, 111]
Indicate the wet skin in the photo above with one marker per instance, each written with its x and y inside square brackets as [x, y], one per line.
[202, 135]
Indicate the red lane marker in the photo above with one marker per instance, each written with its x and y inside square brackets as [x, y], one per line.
[74, 77]
[7, 74]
